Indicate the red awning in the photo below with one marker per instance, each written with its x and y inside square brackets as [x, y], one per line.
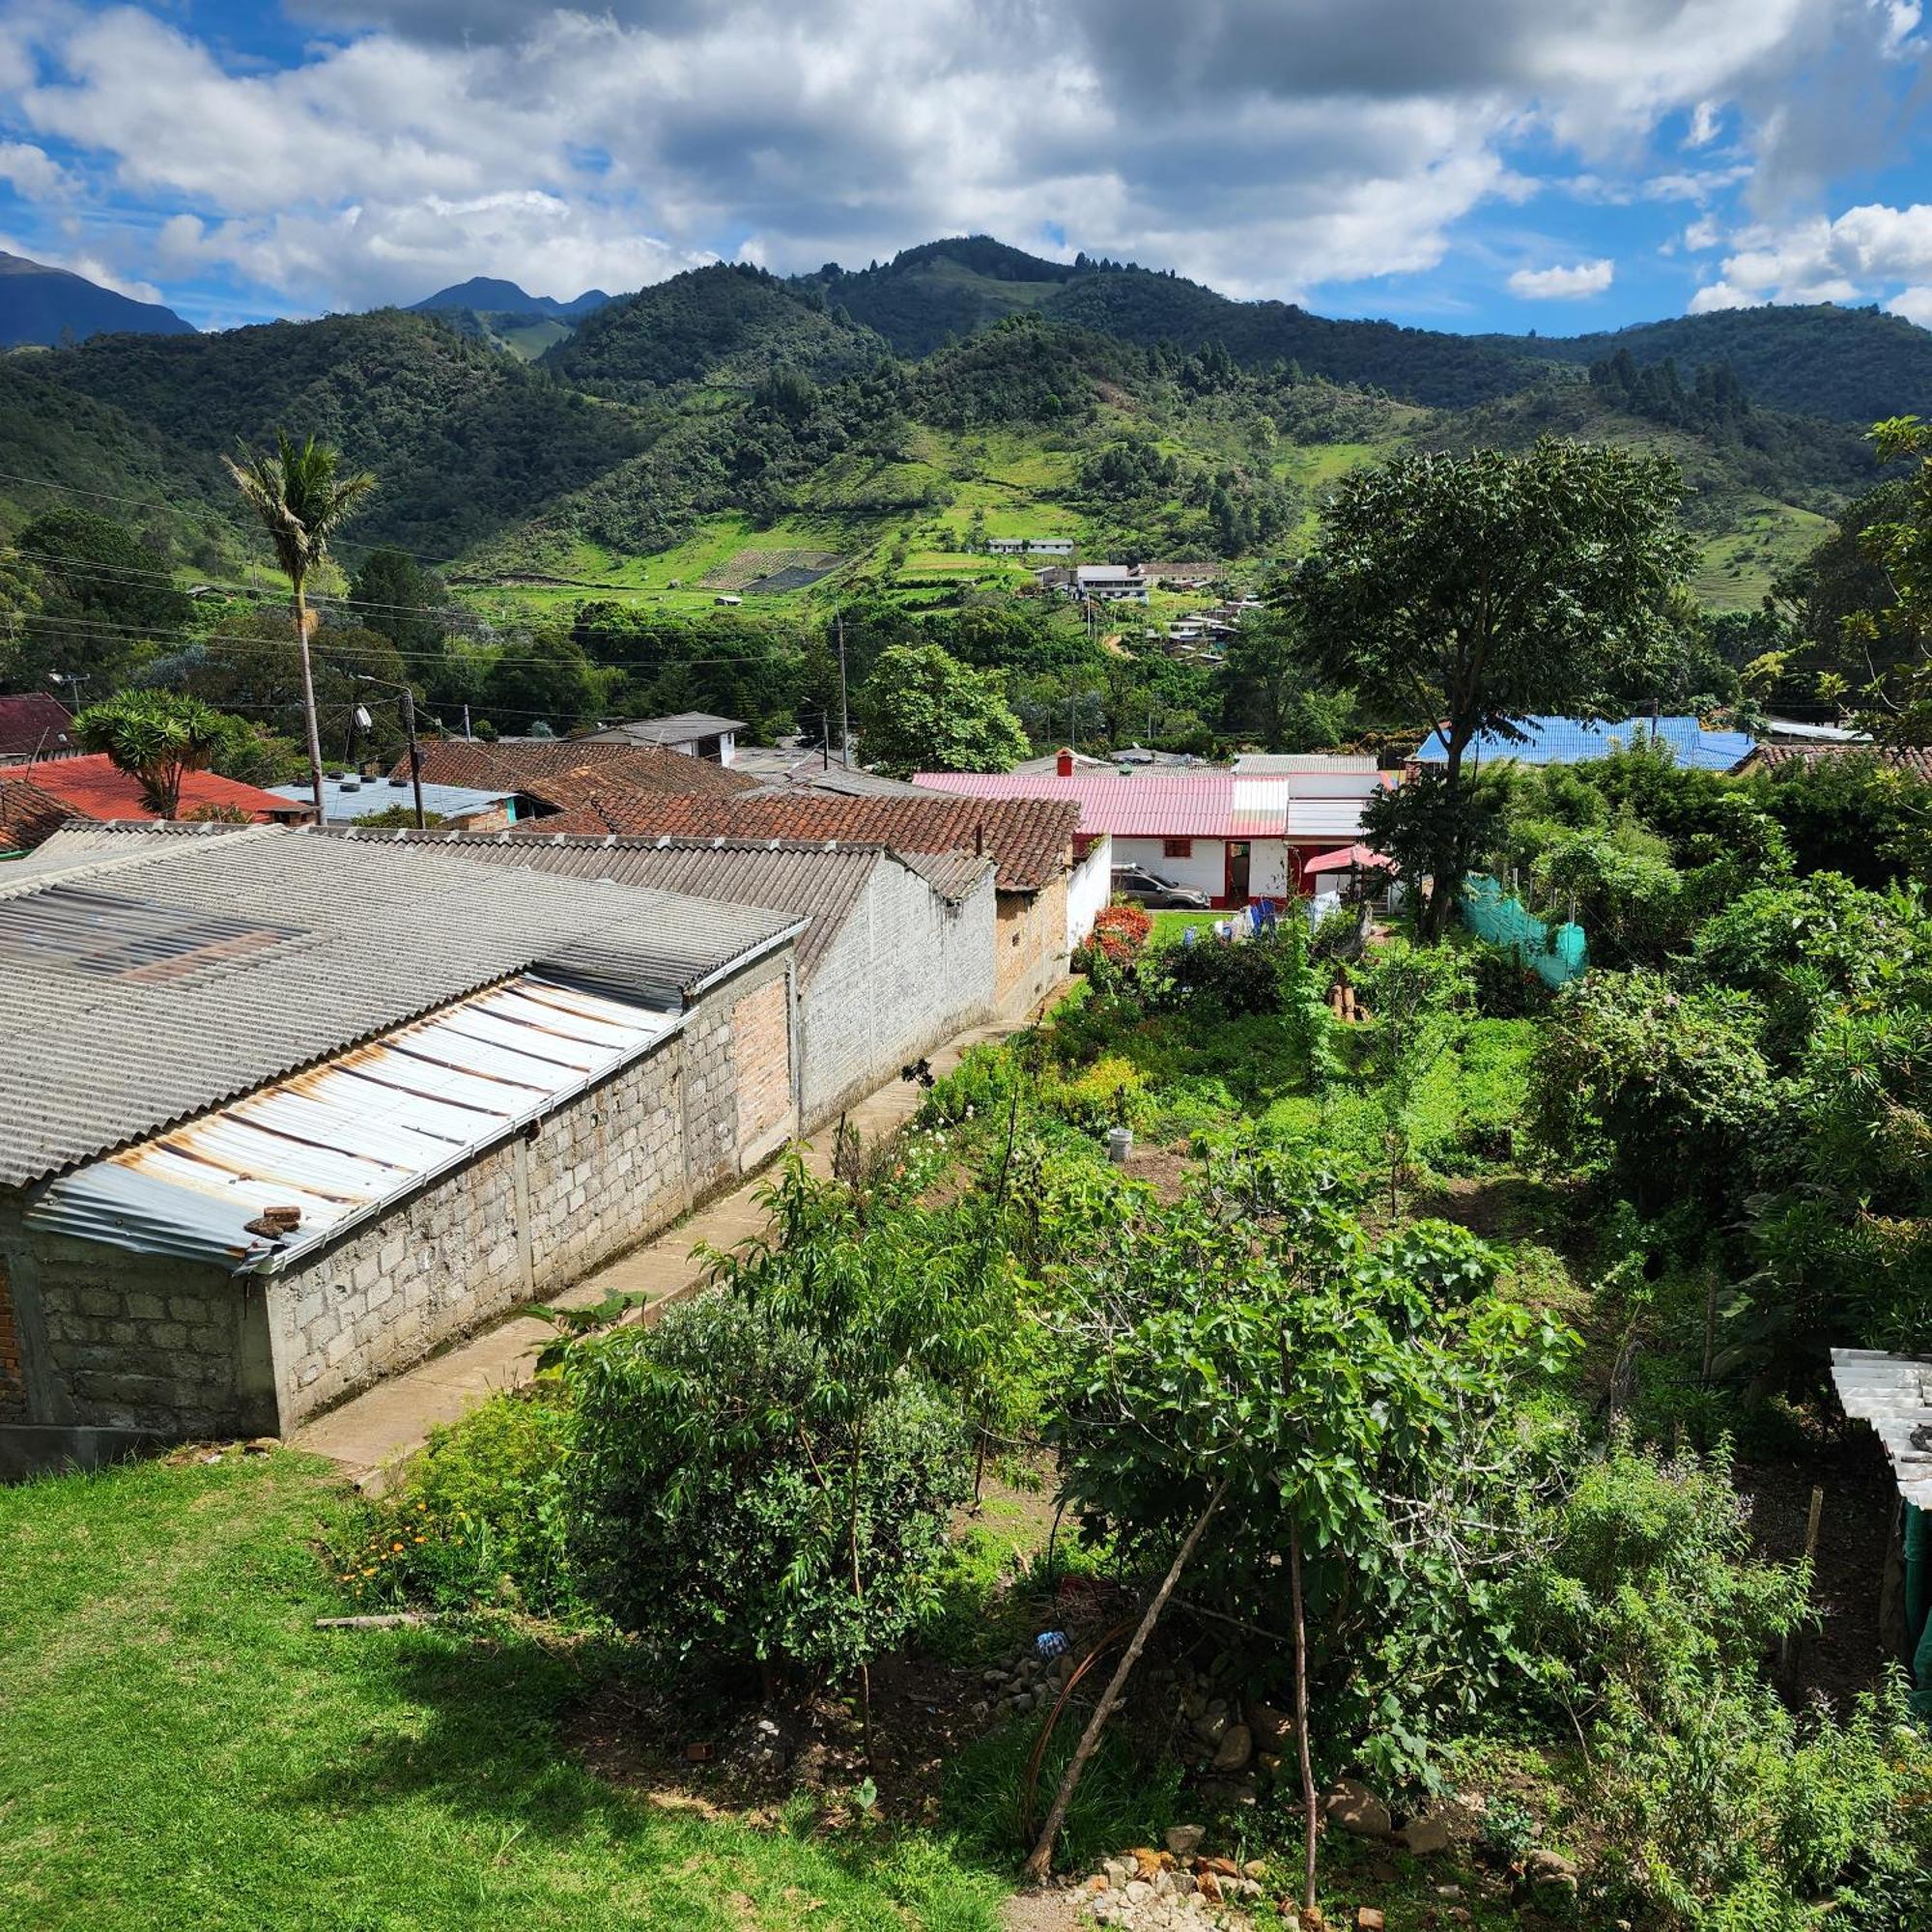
[1342, 860]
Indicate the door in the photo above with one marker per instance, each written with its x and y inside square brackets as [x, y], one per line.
[1238, 872]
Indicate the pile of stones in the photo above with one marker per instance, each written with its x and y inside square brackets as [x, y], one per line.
[1177, 1889]
[1030, 1683]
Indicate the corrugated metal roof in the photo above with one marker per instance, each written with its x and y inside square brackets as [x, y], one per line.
[678, 728]
[1166, 803]
[1575, 741]
[1893, 1393]
[338, 1142]
[1289, 764]
[343, 802]
[1338, 818]
[814, 882]
[381, 937]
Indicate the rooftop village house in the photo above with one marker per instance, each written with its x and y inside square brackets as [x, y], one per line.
[291, 1110]
[695, 734]
[1049, 882]
[544, 776]
[34, 725]
[1238, 836]
[896, 957]
[1575, 741]
[349, 797]
[37, 799]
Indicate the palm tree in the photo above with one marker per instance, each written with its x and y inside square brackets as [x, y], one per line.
[301, 502]
[156, 737]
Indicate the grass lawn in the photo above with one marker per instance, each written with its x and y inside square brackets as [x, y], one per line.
[180, 1749]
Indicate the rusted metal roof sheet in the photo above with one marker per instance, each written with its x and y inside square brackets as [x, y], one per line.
[1893, 1393]
[340, 1141]
[343, 941]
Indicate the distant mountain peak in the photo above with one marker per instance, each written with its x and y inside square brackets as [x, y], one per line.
[43, 306]
[488, 294]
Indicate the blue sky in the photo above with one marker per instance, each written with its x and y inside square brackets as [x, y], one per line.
[1554, 164]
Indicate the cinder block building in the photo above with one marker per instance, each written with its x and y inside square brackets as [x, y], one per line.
[896, 957]
[286, 1112]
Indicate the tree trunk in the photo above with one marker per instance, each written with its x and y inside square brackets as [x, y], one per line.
[1447, 870]
[1310, 1823]
[1040, 1861]
[308, 701]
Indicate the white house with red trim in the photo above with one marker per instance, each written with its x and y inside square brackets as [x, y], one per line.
[1237, 834]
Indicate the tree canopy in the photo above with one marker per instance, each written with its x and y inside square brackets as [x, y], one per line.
[921, 710]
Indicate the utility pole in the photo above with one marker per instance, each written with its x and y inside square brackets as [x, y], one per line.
[844, 712]
[408, 699]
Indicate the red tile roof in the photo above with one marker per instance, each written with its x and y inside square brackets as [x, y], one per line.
[31, 722]
[1916, 760]
[28, 815]
[90, 787]
[560, 774]
[1030, 840]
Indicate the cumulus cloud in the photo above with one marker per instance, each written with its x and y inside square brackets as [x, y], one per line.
[1563, 284]
[1271, 147]
[1865, 251]
[33, 173]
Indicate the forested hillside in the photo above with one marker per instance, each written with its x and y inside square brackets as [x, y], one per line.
[894, 417]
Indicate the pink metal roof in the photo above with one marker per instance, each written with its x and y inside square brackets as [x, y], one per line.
[1149, 805]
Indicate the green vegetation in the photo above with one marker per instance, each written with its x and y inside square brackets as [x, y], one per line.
[183, 1747]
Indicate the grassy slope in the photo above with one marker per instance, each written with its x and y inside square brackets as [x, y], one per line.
[183, 1749]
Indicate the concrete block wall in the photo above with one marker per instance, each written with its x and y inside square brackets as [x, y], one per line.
[905, 973]
[113, 1341]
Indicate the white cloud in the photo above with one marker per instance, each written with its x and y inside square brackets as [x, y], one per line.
[1703, 233]
[1714, 296]
[86, 264]
[1860, 254]
[1915, 304]
[33, 173]
[1273, 146]
[1563, 284]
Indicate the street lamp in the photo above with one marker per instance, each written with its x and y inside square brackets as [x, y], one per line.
[73, 682]
[408, 699]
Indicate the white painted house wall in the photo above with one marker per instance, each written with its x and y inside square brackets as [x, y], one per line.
[1090, 887]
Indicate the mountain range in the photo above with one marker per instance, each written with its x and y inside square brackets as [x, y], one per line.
[892, 415]
[42, 306]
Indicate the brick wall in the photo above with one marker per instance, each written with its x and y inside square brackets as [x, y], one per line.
[13, 1378]
[1031, 948]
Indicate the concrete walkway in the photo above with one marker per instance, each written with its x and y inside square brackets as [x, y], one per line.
[370, 1433]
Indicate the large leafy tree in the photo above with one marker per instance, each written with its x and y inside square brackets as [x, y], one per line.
[156, 737]
[1891, 644]
[303, 500]
[1474, 591]
[85, 598]
[921, 710]
[393, 594]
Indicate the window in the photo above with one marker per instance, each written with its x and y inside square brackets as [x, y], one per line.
[1177, 849]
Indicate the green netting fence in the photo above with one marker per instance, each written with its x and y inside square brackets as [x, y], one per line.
[1556, 953]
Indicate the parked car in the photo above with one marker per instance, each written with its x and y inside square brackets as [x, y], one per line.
[1148, 889]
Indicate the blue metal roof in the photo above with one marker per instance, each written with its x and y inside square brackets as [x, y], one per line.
[1573, 741]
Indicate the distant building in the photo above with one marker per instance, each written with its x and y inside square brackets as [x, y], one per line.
[1575, 741]
[1049, 546]
[547, 775]
[1109, 583]
[1006, 546]
[1236, 835]
[1181, 576]
[696, 734]
[348, 798]
[34, 725]
[37, 799]
[1914, 760]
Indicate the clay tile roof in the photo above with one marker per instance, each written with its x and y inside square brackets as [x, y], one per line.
[1914, 760]
[32, 723]
[91, 787]
[1030, 840]
[557, 773]
[28, 815]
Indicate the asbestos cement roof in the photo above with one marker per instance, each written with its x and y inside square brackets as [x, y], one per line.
[339, 1141]
[1894, 1394]
[821, 882]
[140, 988]
[562, 771]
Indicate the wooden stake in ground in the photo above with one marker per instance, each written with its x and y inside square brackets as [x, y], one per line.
[1811, 1525]
[1041, 1859]
[1309, 1821]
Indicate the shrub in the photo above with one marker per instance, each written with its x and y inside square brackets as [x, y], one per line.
[719, 1517]
[481, 1516]
[1121, 932]
[1109, 1094]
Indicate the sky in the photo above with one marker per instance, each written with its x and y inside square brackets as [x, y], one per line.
[1561, 165]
